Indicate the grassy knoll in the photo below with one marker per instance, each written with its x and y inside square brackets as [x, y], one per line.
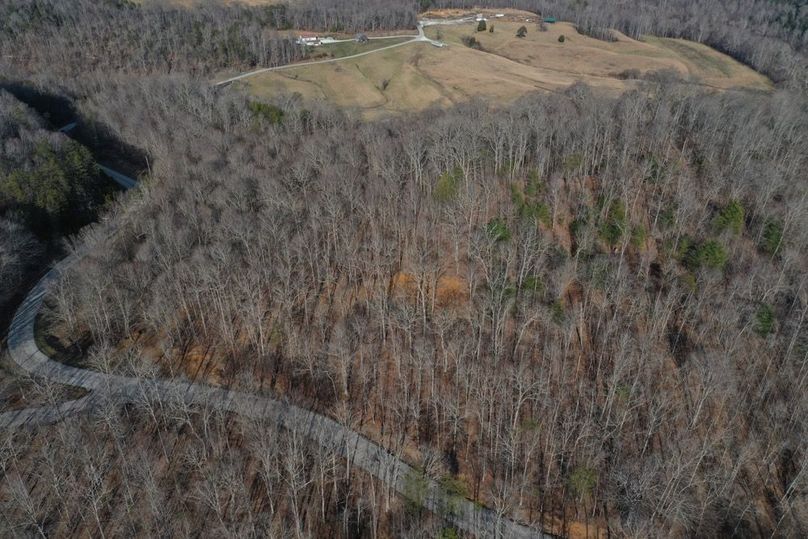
[417, 76]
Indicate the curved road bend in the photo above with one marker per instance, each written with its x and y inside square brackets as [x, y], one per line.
[359, 450]
[328, 433]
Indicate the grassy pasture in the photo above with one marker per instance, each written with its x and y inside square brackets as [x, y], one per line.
[419, 75]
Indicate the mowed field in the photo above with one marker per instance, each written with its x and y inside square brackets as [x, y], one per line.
[417, 76]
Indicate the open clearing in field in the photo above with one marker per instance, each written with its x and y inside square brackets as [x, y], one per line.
[419, 75]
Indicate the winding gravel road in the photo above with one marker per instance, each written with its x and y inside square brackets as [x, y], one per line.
[359, 450]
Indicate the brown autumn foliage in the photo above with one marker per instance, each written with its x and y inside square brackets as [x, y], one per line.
[582, 312]
[628, 345]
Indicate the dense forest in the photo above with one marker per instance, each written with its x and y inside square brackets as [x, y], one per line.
[162, 469]
[65, 38]
[584, 312]
[49, 187]
[570, 302]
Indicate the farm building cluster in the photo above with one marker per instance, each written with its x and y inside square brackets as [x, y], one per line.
[311, 39]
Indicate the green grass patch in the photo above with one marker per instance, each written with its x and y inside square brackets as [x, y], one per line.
[350, 48]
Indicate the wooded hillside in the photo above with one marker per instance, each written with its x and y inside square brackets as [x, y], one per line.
[585, 313]
[49, 187]
[570, 306]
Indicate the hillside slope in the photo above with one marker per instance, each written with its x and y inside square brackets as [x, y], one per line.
[420, 75]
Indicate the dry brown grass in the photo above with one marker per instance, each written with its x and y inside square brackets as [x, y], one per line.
[598, 62]
[422, 76]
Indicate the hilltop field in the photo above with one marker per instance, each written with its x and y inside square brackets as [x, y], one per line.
[504, 67]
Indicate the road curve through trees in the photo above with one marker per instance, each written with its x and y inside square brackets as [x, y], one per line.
[356, 448]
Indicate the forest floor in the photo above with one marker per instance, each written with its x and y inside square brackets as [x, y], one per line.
[419, 76]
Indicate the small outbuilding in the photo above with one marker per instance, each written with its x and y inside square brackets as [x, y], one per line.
[309, 39]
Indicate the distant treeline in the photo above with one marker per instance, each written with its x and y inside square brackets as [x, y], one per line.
[77, 35]
[350, 15]
[74, 36]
